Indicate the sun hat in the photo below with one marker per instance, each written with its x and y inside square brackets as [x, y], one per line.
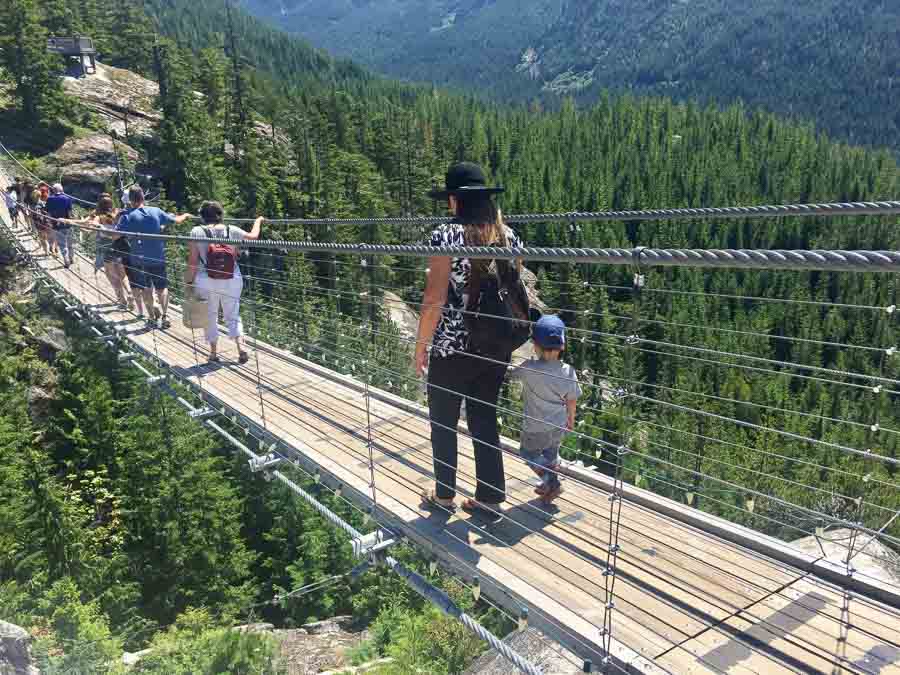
[549, 332]
[464, 178]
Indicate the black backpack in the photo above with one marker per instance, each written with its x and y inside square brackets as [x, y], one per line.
[498, 313]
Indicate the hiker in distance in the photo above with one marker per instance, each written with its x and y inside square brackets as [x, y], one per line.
[466, 357]
[148, 256]
[59, 207]
[11, 197]
[214, 271]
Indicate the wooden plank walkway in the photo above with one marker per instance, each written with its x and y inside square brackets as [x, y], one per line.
[685, 601]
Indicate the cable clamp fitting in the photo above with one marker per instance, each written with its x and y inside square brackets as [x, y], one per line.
[202, 414]
[265, 464]
[632, 340]
[372, 546]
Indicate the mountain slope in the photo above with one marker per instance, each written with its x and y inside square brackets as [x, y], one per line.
[829, 60]
[202, 23]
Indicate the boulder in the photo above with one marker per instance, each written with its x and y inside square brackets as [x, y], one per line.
[51, 343]
[40, 402]
[15, 651]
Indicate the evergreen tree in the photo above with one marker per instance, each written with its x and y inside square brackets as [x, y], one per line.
[23, 50]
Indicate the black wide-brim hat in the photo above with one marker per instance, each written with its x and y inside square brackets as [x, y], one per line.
[465, 178]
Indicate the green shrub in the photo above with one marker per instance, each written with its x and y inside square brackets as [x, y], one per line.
[195, 646]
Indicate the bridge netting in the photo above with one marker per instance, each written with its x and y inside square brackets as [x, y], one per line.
[760, 395]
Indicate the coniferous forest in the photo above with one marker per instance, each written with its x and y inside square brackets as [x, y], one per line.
[126, 525]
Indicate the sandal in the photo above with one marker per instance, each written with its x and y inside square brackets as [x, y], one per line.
[551, 494]
[214, 358]
[431, 500]
[483, 509]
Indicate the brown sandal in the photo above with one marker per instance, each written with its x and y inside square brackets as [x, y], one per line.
[430, 500]
[484, 509]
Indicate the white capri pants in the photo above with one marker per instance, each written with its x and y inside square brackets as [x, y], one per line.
[227, 293]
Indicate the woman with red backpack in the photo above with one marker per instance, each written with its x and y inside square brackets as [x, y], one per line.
[214, 272]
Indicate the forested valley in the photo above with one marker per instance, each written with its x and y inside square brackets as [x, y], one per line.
[128, 526]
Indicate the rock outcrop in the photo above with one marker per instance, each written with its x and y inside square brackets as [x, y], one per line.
[86, 164]
[15, 651]
[125, 100]
[319, 646]
[534, 646]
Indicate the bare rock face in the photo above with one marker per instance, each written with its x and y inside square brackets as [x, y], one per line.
[335, 624]
[530, 64]
[52, 342]
[40, 402]
[85, 164]
[15, 651]
[318, 647]
[534, 646]
[125, 100]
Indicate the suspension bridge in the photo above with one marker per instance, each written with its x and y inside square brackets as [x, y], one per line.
[624, 578]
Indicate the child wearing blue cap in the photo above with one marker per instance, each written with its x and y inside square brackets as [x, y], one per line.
[550, 395]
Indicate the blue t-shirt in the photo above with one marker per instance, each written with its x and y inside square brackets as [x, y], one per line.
[59, 206]
[146, 220]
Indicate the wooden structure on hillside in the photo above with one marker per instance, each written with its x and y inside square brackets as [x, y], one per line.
[77, 47]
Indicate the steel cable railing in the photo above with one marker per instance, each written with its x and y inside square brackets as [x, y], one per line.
[771, 372]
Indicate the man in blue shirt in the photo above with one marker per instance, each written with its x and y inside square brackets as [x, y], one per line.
[147, 260]
[59, 206]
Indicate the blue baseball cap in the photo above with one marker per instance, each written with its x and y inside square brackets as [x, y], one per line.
[549, 332]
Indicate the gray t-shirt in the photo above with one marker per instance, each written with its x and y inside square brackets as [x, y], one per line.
[547, 387]
[217, 232]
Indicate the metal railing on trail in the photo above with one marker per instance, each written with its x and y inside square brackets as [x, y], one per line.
[746, 424]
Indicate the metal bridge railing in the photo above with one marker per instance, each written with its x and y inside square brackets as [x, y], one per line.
[728, 403]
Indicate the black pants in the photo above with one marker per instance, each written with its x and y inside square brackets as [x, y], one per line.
[450, 380]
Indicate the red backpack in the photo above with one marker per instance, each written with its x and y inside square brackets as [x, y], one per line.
[221, 259]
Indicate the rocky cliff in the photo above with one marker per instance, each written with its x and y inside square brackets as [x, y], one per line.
[86, 158]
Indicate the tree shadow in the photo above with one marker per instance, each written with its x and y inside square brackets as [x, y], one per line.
[26, 136]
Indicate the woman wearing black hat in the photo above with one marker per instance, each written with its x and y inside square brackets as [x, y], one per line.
[454, 373]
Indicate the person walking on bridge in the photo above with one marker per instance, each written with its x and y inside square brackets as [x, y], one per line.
[59, 208]
[11, 198]
[111, 251]
[148, 256]
[213, 268]
[455, 371]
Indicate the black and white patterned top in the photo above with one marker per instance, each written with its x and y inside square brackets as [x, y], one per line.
[451, 334]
